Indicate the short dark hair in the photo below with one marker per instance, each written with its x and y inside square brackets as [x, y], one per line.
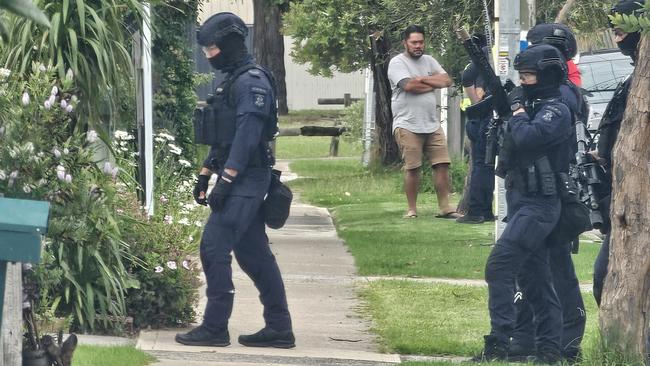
[412, 29]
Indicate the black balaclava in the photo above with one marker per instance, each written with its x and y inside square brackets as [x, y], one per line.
[233, 53]
[629, 44]
[547, 86]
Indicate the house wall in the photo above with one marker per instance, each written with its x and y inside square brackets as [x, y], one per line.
[303, 89]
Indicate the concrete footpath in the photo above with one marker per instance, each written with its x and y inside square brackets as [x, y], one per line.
[319, 275]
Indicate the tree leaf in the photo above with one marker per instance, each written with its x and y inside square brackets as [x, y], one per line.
[27, 9]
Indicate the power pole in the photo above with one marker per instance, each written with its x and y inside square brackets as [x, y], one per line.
[507, 32]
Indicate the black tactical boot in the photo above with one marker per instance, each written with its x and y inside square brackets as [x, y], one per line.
[470, 219]
[201, 336]
[494, 350]
[519, 352]
[546, 356]
[268, 337]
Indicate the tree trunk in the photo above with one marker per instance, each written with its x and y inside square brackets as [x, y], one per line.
[625, 308]
[268, 45]
[379, 59]
[564, 12]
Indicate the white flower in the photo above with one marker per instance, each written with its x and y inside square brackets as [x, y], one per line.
[198, 223]
[107, 167]
[60, 168]
[159, 139]
[47, 104]
[52, 99]
[74, 99]
[4, 72]
[167, 136]
[163, 199]
[13, 175]
[119, 211]
[68, 178]
[64, 104]
[184, 221]
[171, 265]
[25, 99]
[66, 151]
[158, 269]
[27, 188]
[114, 172]
[54, 91]
[42, 182]
[69, 108]
[175, 149]
[2, 131]
[41, 68]
[91, 136]
[186, 264]
[123, 135]
[69, 75]
[184, 162]
[168, 219]
[56, 152]
[60, 174]
[29, 147]
[3, 175]
[190, 238]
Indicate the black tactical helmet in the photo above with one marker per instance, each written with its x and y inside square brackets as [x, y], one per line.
[555, 34]
[627, 7]
[216, 27]
[541, 58]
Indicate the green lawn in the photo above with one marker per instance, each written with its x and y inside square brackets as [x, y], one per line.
[110, 356]
[367, 207]
[300, 147]
[437, 319]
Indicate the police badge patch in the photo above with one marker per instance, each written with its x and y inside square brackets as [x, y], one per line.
[259, 100]
[548, 116]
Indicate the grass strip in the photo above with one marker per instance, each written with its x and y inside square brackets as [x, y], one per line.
[86, 355]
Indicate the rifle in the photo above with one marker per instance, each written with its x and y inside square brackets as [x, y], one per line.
[498, 100]
[586, 175]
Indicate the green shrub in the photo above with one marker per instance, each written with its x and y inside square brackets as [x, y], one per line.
[164, 244]
[352, 120]
[43, 156]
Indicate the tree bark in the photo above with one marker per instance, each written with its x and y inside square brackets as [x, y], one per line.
[625, 308]
[379, 59]
[564, 12]
[268, 46]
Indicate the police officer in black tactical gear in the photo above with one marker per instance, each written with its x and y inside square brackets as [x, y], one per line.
[244, 119]
[608, 129]
[481, 183]
[537, 144]
[565, 281]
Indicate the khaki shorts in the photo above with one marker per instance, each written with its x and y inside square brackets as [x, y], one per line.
[413, 145]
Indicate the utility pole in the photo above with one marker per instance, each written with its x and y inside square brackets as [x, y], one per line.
[507, 30]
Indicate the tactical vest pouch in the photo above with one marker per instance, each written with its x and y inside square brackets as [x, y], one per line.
[214, 124]
[277, 203]
[546, 177]
[205, 129]
[574, 216]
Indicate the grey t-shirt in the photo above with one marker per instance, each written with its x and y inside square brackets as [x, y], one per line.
[413, 112]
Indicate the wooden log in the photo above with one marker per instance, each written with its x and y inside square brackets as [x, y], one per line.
[333, 101]
[322, 131]
[12, 320]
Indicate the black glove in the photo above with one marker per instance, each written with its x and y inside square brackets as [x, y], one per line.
[516, 98]
[220, 192]
[201, 187]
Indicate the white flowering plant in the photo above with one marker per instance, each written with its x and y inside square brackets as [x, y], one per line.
[166, 243]
[45, 155]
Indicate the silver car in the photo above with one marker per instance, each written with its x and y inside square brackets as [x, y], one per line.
[602, 71]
